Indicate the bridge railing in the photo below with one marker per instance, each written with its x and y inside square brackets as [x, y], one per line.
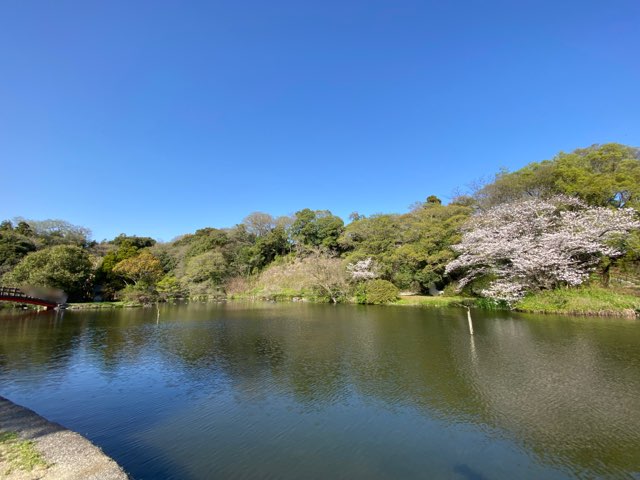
[34, 295]
[12, 292]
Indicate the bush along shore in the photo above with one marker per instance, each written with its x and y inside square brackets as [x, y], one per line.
[586, 301]
[557, 236]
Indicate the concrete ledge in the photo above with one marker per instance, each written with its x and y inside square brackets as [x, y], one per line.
[69, 455]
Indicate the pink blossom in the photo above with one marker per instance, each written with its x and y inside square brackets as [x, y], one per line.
[363, 270]
[538, 244]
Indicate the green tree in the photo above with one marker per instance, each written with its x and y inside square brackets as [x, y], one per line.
[13, 248]
[23, 228]
[425, 245]
[319, 228]
[6, 226]
[133, 241]
[170, 287]
[143, 269]
[108, 281]
[210, 267]
[374, 237]
[66, 267]
[410, 250]
[203, 240]
[601, 175]
[268, 247]
[56, 232]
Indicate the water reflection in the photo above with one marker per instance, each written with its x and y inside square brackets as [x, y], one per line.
[312, 391]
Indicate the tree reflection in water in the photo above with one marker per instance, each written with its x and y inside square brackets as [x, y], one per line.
[359, 390]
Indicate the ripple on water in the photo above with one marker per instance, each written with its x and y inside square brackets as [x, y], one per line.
[342, 392]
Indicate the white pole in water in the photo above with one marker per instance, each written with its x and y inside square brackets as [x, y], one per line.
[469, 319]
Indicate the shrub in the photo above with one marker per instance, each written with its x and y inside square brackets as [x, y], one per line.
[138, 295]
[377, 292]
[169, 287]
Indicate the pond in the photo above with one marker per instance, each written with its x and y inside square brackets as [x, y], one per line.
[237, 390]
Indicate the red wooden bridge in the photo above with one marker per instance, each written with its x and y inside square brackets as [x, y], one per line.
[12, 294]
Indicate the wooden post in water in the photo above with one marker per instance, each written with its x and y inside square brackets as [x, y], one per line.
[469, 320]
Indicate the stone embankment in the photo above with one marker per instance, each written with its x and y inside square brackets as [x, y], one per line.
[66, 454]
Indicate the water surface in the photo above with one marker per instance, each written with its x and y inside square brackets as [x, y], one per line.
[206, 391]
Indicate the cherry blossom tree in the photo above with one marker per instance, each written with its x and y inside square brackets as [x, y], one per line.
[538, 244]
[362, 270]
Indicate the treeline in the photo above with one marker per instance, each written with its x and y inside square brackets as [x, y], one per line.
[545, 218]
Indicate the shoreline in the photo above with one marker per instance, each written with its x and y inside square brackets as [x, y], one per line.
[67, 454]
[548, 306]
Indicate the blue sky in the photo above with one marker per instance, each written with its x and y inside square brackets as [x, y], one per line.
[160, 117]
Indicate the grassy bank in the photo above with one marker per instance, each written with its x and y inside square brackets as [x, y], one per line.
[594, 301]
[438, 302]
[273, 295]
[101, 305]
[18, 454]
[591, 301]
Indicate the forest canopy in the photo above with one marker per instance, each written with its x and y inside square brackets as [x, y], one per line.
[556, 223]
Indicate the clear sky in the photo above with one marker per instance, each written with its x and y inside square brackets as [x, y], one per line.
[160, 117]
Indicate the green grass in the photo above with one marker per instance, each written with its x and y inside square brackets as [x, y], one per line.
[18, 454]
[100, 305]
[277, 295]
[428, 301]
[581, 301]
[592, 300]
